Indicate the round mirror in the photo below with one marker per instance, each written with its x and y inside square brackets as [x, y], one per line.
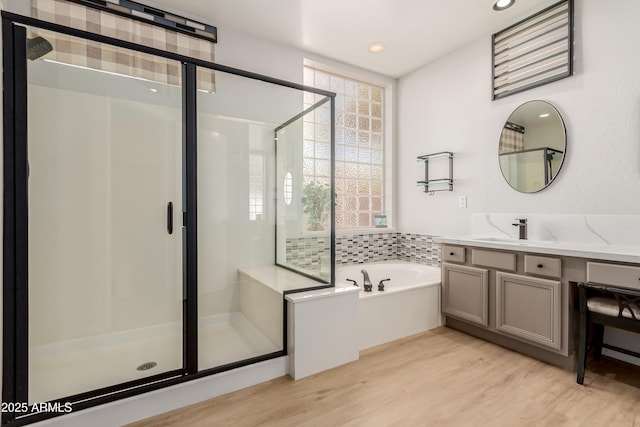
[532, 146]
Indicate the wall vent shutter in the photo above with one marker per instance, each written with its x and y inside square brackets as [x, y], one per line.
[535, 51]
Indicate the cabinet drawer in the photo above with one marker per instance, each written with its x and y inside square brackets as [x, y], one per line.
[616, 275]
[500, 260]
[453, 254]
[543, 266]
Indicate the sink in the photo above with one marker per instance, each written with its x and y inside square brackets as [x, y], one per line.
[497, 239]
[511, 241]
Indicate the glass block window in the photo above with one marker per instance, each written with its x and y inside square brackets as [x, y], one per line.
[288, 188]
[359, 149]
[256, 186]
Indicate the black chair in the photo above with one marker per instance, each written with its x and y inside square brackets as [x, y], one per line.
[602, 305]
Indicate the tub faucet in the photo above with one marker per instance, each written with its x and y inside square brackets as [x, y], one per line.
[353, 281]
[368, 286]
[522, 228]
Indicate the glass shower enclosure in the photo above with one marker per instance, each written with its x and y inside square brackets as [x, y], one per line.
[305, 229]
[134, 204]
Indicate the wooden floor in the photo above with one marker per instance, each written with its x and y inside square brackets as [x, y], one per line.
[438, 378]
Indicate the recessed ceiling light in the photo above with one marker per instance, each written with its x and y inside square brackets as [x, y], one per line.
[503, 4]
[376, 47]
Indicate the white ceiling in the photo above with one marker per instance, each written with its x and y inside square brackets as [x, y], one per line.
[414, 32]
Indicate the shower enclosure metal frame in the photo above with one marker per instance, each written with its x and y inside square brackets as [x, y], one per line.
[332, 101]
[15, 223]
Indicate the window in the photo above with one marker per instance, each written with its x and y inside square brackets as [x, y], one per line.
[288, 188]
[359, 148]
[256, 186]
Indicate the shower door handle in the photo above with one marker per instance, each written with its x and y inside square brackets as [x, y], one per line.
[170, 217]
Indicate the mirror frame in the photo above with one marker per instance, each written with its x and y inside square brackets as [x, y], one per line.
[564, 154]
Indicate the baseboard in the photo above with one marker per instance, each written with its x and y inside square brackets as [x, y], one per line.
[157, 402]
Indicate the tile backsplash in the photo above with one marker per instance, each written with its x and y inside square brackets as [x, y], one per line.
[418, 248]
[361, 248]
[308, 252]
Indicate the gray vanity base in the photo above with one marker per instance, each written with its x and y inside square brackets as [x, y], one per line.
[523, 301]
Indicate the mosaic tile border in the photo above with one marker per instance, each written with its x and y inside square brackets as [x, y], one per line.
[307, 252]
[419, 248]
[361, 248]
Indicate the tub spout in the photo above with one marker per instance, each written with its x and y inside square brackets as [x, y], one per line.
[368, 286]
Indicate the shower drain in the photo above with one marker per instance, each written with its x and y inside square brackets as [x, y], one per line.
[146, 366]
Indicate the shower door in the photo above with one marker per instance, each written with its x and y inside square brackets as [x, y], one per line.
[104, 196]
[139, 226]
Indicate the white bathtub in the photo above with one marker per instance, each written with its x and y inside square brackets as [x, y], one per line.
[409, 304]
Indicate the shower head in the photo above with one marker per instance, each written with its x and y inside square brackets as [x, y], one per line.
[37, 47]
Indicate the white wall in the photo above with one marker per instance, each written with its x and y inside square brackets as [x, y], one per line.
[236, 49]
[447, 105]
[101, 174]
[227, 239]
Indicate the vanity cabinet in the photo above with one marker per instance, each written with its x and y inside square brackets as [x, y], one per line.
[516, 299]
[465, 293]
[526, 308]
[529, 308]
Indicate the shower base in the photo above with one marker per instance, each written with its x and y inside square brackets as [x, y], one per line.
[76, 366]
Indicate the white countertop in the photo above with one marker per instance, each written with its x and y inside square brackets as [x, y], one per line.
[280, 279]
[622, 253]
[322, 293]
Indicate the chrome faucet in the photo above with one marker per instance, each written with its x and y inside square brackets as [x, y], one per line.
[522, 228]
[368, 286]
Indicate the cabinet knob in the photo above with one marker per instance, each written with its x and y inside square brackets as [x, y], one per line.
[540, 266]
[453, 253]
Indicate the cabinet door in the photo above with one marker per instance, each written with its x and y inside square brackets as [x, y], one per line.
[465, 293]
[529, 308]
